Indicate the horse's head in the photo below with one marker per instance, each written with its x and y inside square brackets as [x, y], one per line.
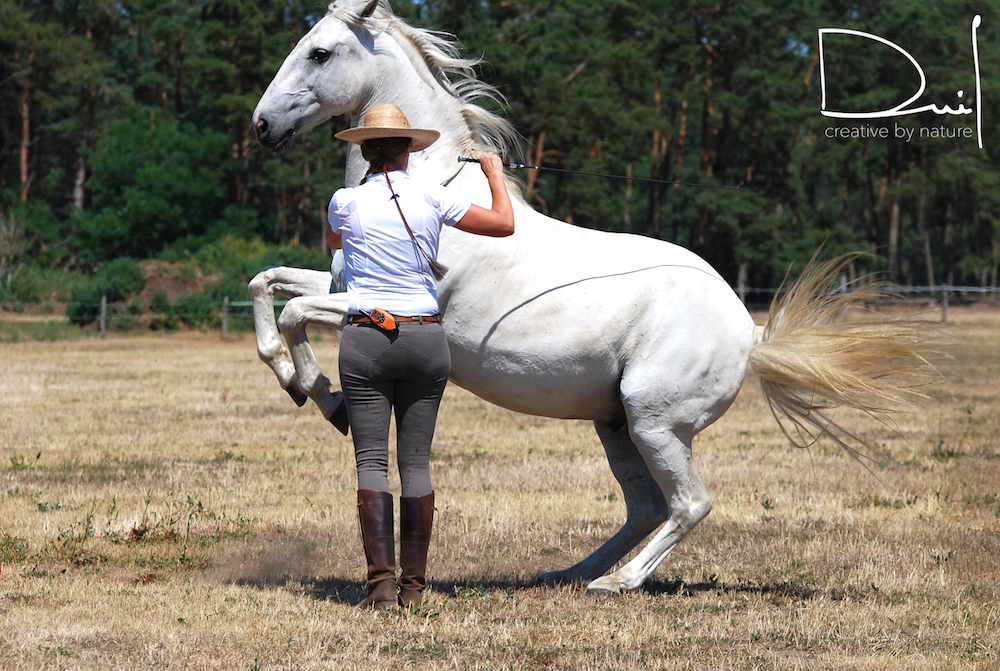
[361, 54]
[326, 74]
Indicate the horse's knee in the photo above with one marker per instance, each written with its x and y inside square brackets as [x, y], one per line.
[259, 284]
[268, 351]
[290, 317]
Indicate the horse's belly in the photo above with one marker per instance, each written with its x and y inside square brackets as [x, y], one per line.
[567, 383]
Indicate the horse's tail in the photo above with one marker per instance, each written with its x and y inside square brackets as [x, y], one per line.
[810, 357]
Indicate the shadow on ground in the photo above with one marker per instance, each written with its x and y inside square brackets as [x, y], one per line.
[292, 566]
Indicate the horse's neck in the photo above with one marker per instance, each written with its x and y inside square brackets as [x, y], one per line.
[405, 80]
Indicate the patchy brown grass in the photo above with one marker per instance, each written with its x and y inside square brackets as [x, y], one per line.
[163, 503]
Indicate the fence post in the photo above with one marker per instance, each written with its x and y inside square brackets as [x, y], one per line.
[944, 303]
[104, 314]
[225, 317]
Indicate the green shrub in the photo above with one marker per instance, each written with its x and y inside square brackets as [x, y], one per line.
[234, 257]
[162, 312]
[234, 287]
[195, 310]
[27, 285]
[242, 259]
[295, 257]
[120, 279]
[125, 316]
[35, 284]
[84, 305]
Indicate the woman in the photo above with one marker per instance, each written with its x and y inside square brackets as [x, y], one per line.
[393, 355]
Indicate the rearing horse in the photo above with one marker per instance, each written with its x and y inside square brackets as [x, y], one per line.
[652, 347]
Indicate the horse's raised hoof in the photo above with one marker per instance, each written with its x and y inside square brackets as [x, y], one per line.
[339, 416]
[297, 396]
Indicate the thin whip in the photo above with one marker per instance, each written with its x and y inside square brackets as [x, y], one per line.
[515, 166]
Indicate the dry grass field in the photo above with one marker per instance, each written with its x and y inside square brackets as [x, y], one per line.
[163, 504]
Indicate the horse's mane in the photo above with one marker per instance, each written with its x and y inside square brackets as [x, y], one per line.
[457, 75]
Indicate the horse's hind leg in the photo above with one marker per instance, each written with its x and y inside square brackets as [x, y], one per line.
[668, 455]
[645, 506]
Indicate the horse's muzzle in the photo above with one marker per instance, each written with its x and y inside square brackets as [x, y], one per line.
[267, 138]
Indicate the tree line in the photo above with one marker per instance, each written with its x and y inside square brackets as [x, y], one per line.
[126, 128]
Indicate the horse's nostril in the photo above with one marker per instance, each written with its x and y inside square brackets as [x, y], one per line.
[261, 127]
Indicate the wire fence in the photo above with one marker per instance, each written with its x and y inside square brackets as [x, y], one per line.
[205, 314]
[941, 295]
[227, 314]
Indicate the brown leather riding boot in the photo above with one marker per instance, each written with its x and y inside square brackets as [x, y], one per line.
[375, 517]
[416, 516]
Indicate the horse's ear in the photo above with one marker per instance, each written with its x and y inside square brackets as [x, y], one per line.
[370, 9]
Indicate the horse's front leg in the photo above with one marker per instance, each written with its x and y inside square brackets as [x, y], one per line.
[329, 310]
[270, 349]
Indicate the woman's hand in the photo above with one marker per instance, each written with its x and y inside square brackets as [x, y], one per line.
[497, 222]
[491, 165]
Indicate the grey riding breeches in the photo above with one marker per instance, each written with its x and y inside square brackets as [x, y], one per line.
[406, 374]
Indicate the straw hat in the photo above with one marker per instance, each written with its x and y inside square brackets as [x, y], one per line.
[389, 121]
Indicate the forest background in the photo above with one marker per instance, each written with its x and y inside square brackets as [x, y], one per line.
[126, 136]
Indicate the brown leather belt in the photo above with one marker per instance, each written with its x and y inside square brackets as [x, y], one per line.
[364, 319]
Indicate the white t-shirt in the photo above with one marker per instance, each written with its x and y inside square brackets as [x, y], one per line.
[384, 268]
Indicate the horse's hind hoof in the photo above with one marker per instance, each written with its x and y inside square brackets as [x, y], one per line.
[339, 416]
[297, 396]
[558, 579]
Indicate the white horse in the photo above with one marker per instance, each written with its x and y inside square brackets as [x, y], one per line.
[652, 347]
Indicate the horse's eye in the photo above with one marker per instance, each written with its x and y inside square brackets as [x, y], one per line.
[319, 55]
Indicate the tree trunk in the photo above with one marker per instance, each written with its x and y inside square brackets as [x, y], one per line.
[79, 194]
[702, 228]
[681, 141]
[535, 159]
[868, 205]
[741, 281]
[627, 211]
[948, 251]
[707, 110]
[305, 209]
[806, 83]
[993, 271]
[179, 81]
[893, 240]
[682, 133]
[655, 161]
[138, 50]
[845, 200]
[883, 187]
[26, 130]
[924, 235]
